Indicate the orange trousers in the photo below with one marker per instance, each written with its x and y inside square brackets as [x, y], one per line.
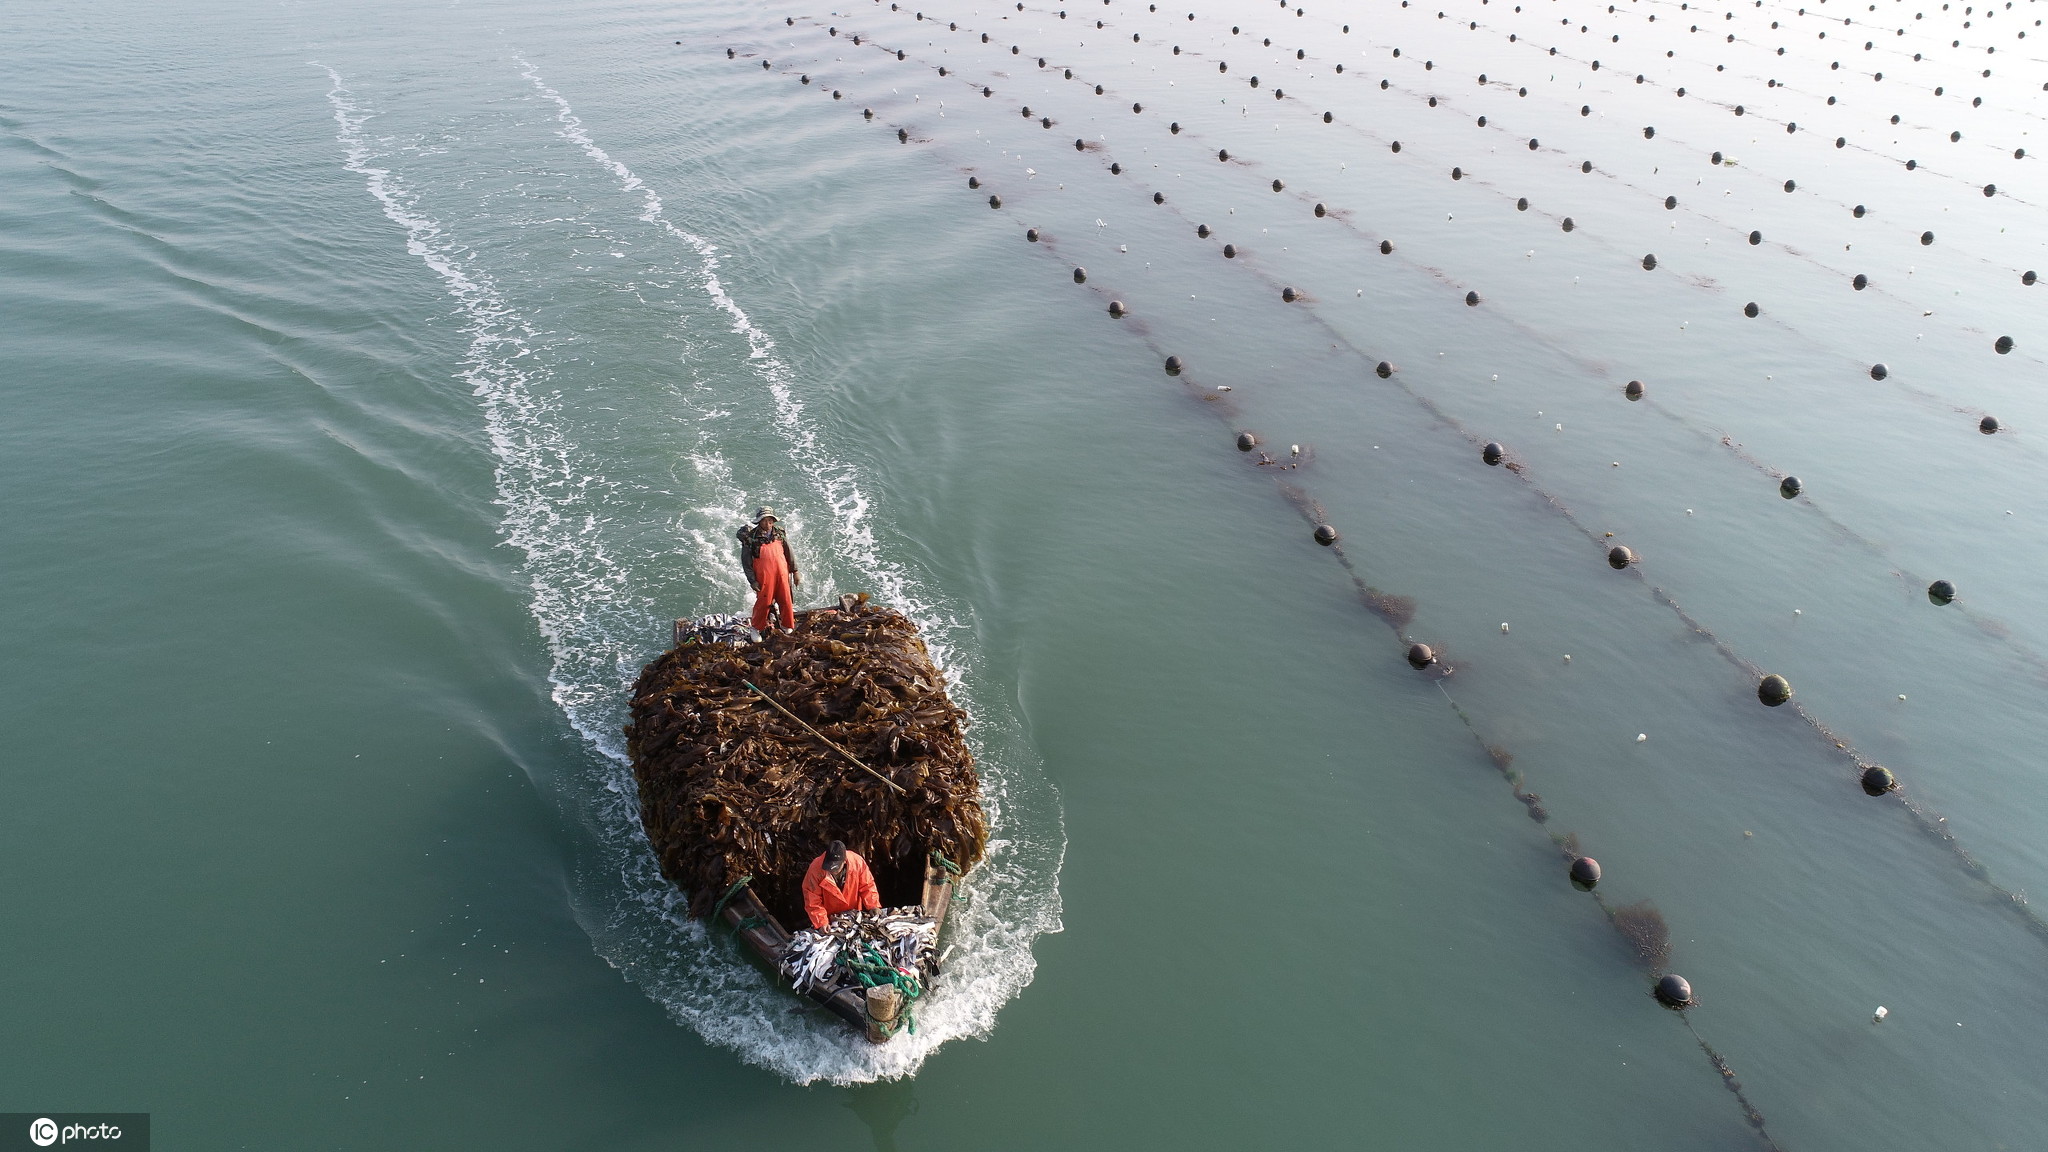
[771, 572]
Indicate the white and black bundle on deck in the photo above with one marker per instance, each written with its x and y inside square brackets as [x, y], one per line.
[904, 938]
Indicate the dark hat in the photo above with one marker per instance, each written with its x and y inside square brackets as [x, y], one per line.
[764, 512]
[835, 851]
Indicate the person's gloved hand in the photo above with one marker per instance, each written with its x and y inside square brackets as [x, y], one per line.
[796, 579]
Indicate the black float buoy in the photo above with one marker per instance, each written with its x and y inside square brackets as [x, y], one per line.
[1080, 275]
[1174, 127]
[1493, 454]
[1858, 211]
[867, 113]
[1773, 690]
[1533, 145]
[1634, 390]
[1326, 117]
[1650, 262]
[1383, 369]
[1246, 441]
[1116, 309]
[1585, 873]
[1674, 992]
[1990, 190]
[1395, 146]
[1988, 425]
[1031, 235]
[1080, 145]
[903, 136]
[2028, 278]
[1755, 237]
[2002, 345]
[1116, 168]
[1420, 656]
[1879, 371]
[1568, 225]
[1159, 197]
[1715, 159]
[1941, 592]
[1791, 185]
[1670, 202]
[1325, 535]
[1386, 247]
[1321, 211]
[1202, 230]
[1223, 154]
[1230, 251]
[1522, 205]
[995, 202]
[1926, 238]
[974, 181]
[1173, 365]
[729, 53]
[1586, 166]
[1860, 282]
[1136, 108]
[1289, 295]
[1750, 310]
[1471, 299]
[1878, 780]
[1277, 186]
[1648, 133]
[1789, 487]
[1619, 557]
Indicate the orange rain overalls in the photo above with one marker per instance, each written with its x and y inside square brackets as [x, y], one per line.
[823, 899]
[771, 578]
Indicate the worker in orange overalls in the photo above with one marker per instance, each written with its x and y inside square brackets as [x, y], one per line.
[771, 570]
[838, 881]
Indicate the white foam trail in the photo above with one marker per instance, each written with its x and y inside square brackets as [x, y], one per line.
[1014, 898]
[593, 620]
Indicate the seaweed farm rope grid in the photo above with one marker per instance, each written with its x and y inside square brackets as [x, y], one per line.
[1923, 818]
[1593, 366]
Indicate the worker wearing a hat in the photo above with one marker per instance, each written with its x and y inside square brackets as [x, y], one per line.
[771, 570]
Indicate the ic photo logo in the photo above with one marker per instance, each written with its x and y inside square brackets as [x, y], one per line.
[127, 1131]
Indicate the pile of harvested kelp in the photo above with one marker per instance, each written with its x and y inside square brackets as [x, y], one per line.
[732, 787]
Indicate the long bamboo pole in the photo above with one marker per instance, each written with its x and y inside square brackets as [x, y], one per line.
[827, 739]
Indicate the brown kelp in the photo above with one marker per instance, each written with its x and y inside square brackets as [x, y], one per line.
[732, 787]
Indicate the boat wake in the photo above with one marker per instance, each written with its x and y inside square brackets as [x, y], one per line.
[601, 593]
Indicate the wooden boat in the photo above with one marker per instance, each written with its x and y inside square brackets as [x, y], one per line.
[751, 755]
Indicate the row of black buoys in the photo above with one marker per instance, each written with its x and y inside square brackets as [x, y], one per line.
[1585, 873]
[1619, 557]
[1421, 656]
[1674, 992]
[1988, 425]
[1325, 535]
[1941, 592]
[1773, 690]
[1790, 487]
[1633, 390]
[1493, 454]
[1878, 780]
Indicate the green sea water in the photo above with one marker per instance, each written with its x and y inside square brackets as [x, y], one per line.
[381, 380]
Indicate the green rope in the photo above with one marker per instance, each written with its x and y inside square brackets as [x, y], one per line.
[729, 894]
[948, 865]
[747, 924]
[873, 970]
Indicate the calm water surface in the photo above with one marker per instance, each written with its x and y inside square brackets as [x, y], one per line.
[381, 379]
